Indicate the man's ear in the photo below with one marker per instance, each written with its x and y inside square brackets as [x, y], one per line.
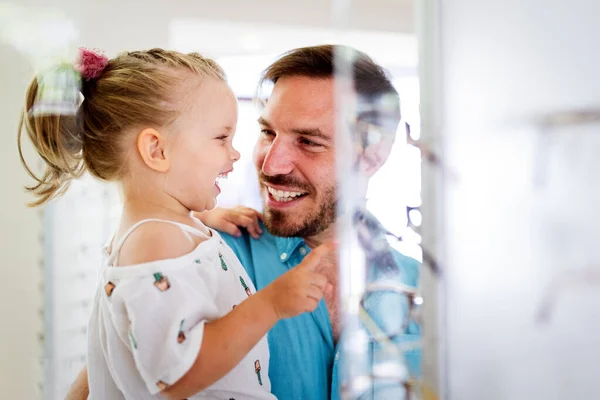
[376, 153]
[151, 147]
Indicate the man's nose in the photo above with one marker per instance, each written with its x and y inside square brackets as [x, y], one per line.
[279, 159]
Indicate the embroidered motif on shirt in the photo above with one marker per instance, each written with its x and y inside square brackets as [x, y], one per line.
[161, 282]
[257, 370]
[132, 341]
[181, 335]
[223, 265]
[108, 289]
[246, 288]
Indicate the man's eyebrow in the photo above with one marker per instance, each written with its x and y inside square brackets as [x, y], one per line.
[316, 132]
[311, 132]
[264, 122]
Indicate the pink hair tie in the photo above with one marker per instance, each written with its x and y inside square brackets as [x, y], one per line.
[91, 63]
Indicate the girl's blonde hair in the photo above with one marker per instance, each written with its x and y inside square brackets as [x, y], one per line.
[136, 89]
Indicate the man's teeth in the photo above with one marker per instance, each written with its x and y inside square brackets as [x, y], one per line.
[282, 195]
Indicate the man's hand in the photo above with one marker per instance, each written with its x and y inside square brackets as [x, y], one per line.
[229, 220]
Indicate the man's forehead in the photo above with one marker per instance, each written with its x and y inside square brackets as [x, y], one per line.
[303, 93]
[300, 102]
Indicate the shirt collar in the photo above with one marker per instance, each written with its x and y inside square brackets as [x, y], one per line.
[286, 246]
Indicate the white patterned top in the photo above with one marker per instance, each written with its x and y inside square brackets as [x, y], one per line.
[147, 324]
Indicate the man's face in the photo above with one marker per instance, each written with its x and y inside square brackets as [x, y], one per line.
[295, 157]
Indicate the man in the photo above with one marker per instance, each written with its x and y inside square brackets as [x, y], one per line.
[295, 161]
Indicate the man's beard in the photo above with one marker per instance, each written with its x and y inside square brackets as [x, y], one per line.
[280, 223]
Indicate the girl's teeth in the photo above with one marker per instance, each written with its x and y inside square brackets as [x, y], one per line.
[221, 176]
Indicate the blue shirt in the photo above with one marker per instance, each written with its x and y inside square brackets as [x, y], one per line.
[304, 359]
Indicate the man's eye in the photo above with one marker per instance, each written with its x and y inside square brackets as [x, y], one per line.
[309, 143]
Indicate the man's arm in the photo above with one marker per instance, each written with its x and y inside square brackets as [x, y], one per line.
[79, 389]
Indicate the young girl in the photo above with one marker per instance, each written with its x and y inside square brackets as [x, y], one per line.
[175, 313]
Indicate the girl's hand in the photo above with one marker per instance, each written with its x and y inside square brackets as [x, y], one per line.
[301, 288]
[229, 220]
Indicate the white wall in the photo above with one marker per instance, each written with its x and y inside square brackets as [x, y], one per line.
[524, 211]
[115, 25]
[20, 247]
